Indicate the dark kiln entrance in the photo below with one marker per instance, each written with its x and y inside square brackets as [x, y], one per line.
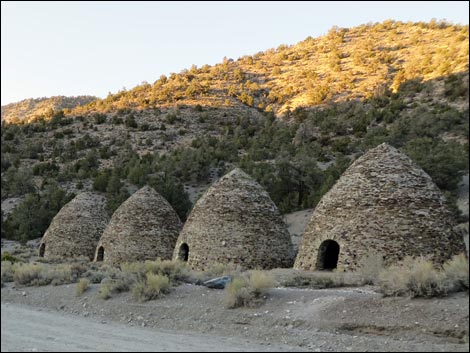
[100, 255]
[328, 255]
[184, 252]
[42, 250]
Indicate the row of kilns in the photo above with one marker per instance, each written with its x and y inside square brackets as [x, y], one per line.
[383, 203]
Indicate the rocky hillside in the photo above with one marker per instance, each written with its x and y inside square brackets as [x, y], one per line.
[345, 64]
[29, 110]
[293, 117]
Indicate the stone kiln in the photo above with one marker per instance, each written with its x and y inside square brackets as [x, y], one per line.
[144, 227]
[76, 229]
[383, 203]
[235, 221]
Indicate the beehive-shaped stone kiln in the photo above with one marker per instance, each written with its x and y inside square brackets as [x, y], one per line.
[236, 222]
[144, 227]
[76, 229]
[383, 203]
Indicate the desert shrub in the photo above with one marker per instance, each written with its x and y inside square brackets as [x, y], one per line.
[248, 290]
[130, 121]
[393, 281]
[176, 271]
[260, 282]
[56, 275]
[133, 268]
[6, 256]
[153, 267]
[237, 294]
[370, 267]
[414, 277]
[7, 271]
[82, 286]
[171, 118]
[115, 286]
[456, 273]
[321, 280]
[151, 287]
[121, 284]
[41, 275]
[425, 280]
[138, 291]
[95, 276]
[77, 270]
[220, 269]
[104, 292]
[27, 274]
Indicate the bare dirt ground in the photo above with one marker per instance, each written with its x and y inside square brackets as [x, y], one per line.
[27, 329]
[194, 318]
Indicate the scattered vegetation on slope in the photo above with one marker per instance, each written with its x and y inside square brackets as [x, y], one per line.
[294, 118]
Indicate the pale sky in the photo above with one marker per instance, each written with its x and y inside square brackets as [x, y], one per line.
[92, 48]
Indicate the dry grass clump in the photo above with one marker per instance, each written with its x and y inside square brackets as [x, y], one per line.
[95, 276]
[456, 273]
[105, 292]
[7, 271]
[29, 274]
[417, 277]
[6, 256]
[176, 271]
[115, 286]
[60, 274]
[238, 294]
[147, 280]
[97, 272]
[36, 274]
[322, 279]
[370, 267]
[249, 289]
[411, 277]
[261, 282]
[153, 286]
[82, 286]
[21, 254]
[41, 275]
[219, 269]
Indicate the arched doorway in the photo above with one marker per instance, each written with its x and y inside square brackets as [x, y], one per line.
[100, 254]
[42, 249]
[183, 253]
[328, 255]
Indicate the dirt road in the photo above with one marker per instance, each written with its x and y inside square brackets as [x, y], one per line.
[194, 318]
[28, 329]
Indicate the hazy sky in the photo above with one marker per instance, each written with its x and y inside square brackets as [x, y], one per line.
[76, 48]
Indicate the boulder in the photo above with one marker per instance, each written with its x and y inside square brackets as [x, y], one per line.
[218, 283]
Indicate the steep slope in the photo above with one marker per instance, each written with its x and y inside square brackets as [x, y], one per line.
[345, 64]
[31, 109]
